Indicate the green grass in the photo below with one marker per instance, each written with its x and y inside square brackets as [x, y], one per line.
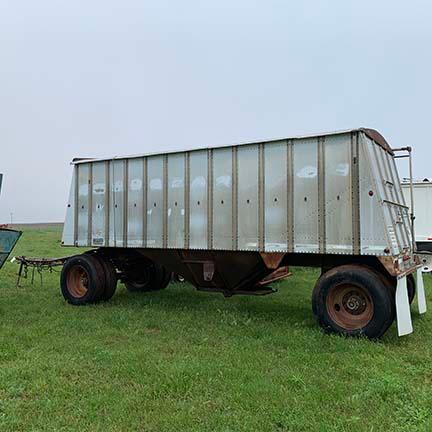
[180, 360]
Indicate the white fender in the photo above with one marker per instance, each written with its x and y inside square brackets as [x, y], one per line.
[421, 297]
[403, 312]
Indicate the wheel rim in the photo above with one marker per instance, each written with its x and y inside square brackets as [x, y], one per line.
[349, 306]
[77, 281]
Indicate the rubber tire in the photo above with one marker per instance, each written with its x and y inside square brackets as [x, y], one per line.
[158, 280]
[95, 274]
[411, 286]
[370, 280]
[166, 279]
[110, 285]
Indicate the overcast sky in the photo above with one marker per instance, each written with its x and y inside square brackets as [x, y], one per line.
[103, 78]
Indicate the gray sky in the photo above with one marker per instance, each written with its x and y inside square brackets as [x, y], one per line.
[102, 78]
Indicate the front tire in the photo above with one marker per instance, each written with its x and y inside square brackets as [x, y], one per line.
[82, 280]
[110, 284]
[353, 300]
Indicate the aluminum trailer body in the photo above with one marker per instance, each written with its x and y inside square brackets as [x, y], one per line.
[422, 194]
[227, 217]
[8, 237]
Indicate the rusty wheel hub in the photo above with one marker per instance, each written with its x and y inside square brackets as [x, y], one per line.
[77, 281]
[349, 306]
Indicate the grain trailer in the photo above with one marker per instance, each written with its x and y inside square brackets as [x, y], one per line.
[227, 217]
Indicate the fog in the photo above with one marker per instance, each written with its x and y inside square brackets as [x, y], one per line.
[103, 78]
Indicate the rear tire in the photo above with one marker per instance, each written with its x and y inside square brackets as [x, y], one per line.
[166, 278]
[353, 300]
[411, 286]
[82, 280]
[151, 277]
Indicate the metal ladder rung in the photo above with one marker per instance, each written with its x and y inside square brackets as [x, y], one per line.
[395, 204]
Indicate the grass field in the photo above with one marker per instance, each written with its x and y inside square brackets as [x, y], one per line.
[179, 360]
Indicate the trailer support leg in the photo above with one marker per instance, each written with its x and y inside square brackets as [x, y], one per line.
[421, 298]
[403, 312]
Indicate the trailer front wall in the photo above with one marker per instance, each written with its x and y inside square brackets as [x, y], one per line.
[307, 195]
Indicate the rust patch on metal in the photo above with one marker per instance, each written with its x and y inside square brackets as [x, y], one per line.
[280, 273]
[378, 138]
[272, 260]
[390, 265]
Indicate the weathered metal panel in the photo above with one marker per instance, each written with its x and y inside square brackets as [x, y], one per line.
[117, 210]
[290, 196]
[99, 194]
[373, 236]
[83, 205]
[338, 194]
[176, 194]
[222, 199]
[380, 177]
[135, 203]
[321, 197]
[355, 192]
[187, 200]
[234, 199]
[154, 201]
[261, 203]
[165, 202]
[198, 200]
[305, 166]
[314, 195]
[248, 197]
[275, 196]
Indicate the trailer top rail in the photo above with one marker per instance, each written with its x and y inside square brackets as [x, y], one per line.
[371, 133]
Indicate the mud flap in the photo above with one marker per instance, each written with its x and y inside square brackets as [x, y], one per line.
[421, 297]
[403, 312]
